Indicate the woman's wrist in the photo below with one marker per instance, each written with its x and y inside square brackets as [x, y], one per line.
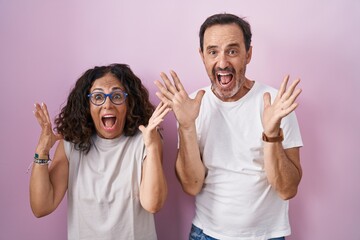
[42, 153]
[41, 159]
[41, 156]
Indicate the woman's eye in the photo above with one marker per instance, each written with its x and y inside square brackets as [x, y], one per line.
[98, 96]
[117, 96]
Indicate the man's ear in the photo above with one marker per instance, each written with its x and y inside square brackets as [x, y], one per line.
[249, 55]
[201, 54]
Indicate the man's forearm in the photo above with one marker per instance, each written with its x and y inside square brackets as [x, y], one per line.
[283, 169]
[189, 166]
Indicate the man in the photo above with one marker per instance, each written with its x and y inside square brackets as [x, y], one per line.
[238, 140]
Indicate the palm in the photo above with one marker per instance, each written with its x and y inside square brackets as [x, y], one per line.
[149, 132]
[185, 109]
[284, 103]
[47, 137]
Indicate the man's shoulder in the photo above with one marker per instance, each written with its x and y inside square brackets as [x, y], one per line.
[265, 87]
[206, 89]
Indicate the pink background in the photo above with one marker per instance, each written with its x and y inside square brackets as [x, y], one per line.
[46, 45]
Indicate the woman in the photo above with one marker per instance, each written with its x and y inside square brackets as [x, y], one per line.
[109, 163]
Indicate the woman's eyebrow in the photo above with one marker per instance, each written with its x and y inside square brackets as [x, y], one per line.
[117, 88]
[102, 90]
[97, 89]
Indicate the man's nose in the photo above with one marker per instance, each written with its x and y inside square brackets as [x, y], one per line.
[223, 61]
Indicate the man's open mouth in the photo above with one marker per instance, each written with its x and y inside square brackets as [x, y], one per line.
[224, 78]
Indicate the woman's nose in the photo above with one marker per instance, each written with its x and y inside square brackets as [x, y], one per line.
[108, 102]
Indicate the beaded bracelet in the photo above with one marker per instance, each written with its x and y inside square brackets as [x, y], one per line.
[38, 161]
[41, 161]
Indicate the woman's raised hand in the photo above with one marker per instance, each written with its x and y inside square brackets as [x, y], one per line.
[47, 137]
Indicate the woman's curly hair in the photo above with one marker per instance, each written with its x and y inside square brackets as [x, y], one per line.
[74, 121]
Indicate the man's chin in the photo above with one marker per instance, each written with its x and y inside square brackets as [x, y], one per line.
[225, 94]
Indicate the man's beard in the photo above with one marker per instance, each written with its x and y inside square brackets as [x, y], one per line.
[228, 93]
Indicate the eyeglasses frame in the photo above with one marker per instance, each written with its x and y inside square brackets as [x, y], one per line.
[108, 95]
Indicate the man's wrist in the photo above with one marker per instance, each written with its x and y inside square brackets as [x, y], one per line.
[187, 127]
[271, 138]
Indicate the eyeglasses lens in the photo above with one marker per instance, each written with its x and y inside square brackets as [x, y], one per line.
[99, 98]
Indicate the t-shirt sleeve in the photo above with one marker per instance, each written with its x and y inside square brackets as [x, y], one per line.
[291, 130]
[67, 148]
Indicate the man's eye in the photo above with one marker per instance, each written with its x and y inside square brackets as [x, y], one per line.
[232, 52]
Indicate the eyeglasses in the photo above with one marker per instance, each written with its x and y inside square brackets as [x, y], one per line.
[116, 97]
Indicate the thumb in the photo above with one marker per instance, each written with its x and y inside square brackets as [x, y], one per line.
[141, 128]
[199, 95]
[267, 100]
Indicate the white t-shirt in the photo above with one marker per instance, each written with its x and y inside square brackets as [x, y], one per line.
[236, 201]
[103, 191]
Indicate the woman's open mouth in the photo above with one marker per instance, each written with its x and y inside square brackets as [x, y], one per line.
[108, 121]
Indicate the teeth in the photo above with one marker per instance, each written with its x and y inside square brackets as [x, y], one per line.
[219, 75]
[224, 77]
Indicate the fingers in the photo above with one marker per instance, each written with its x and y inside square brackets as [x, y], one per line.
[156, 118]
[159, 114]
[291, 99]
[177, 81]
[170, 89]
[161, 104]
[284, 102]
[41, 114]
[283, 86]
[294, 84]
[284, 91]
[289, 92]
[164, 95]
[169, 86]
[159, 110]
[199, 95]
[142, 128]
[291, 108]
[46, 112]
[287, 95]
[267, 99]
[164, 112]
[47, 137]
[37, 114]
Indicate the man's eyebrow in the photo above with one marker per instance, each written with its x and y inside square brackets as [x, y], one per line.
[233, 45]
[211, 47]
